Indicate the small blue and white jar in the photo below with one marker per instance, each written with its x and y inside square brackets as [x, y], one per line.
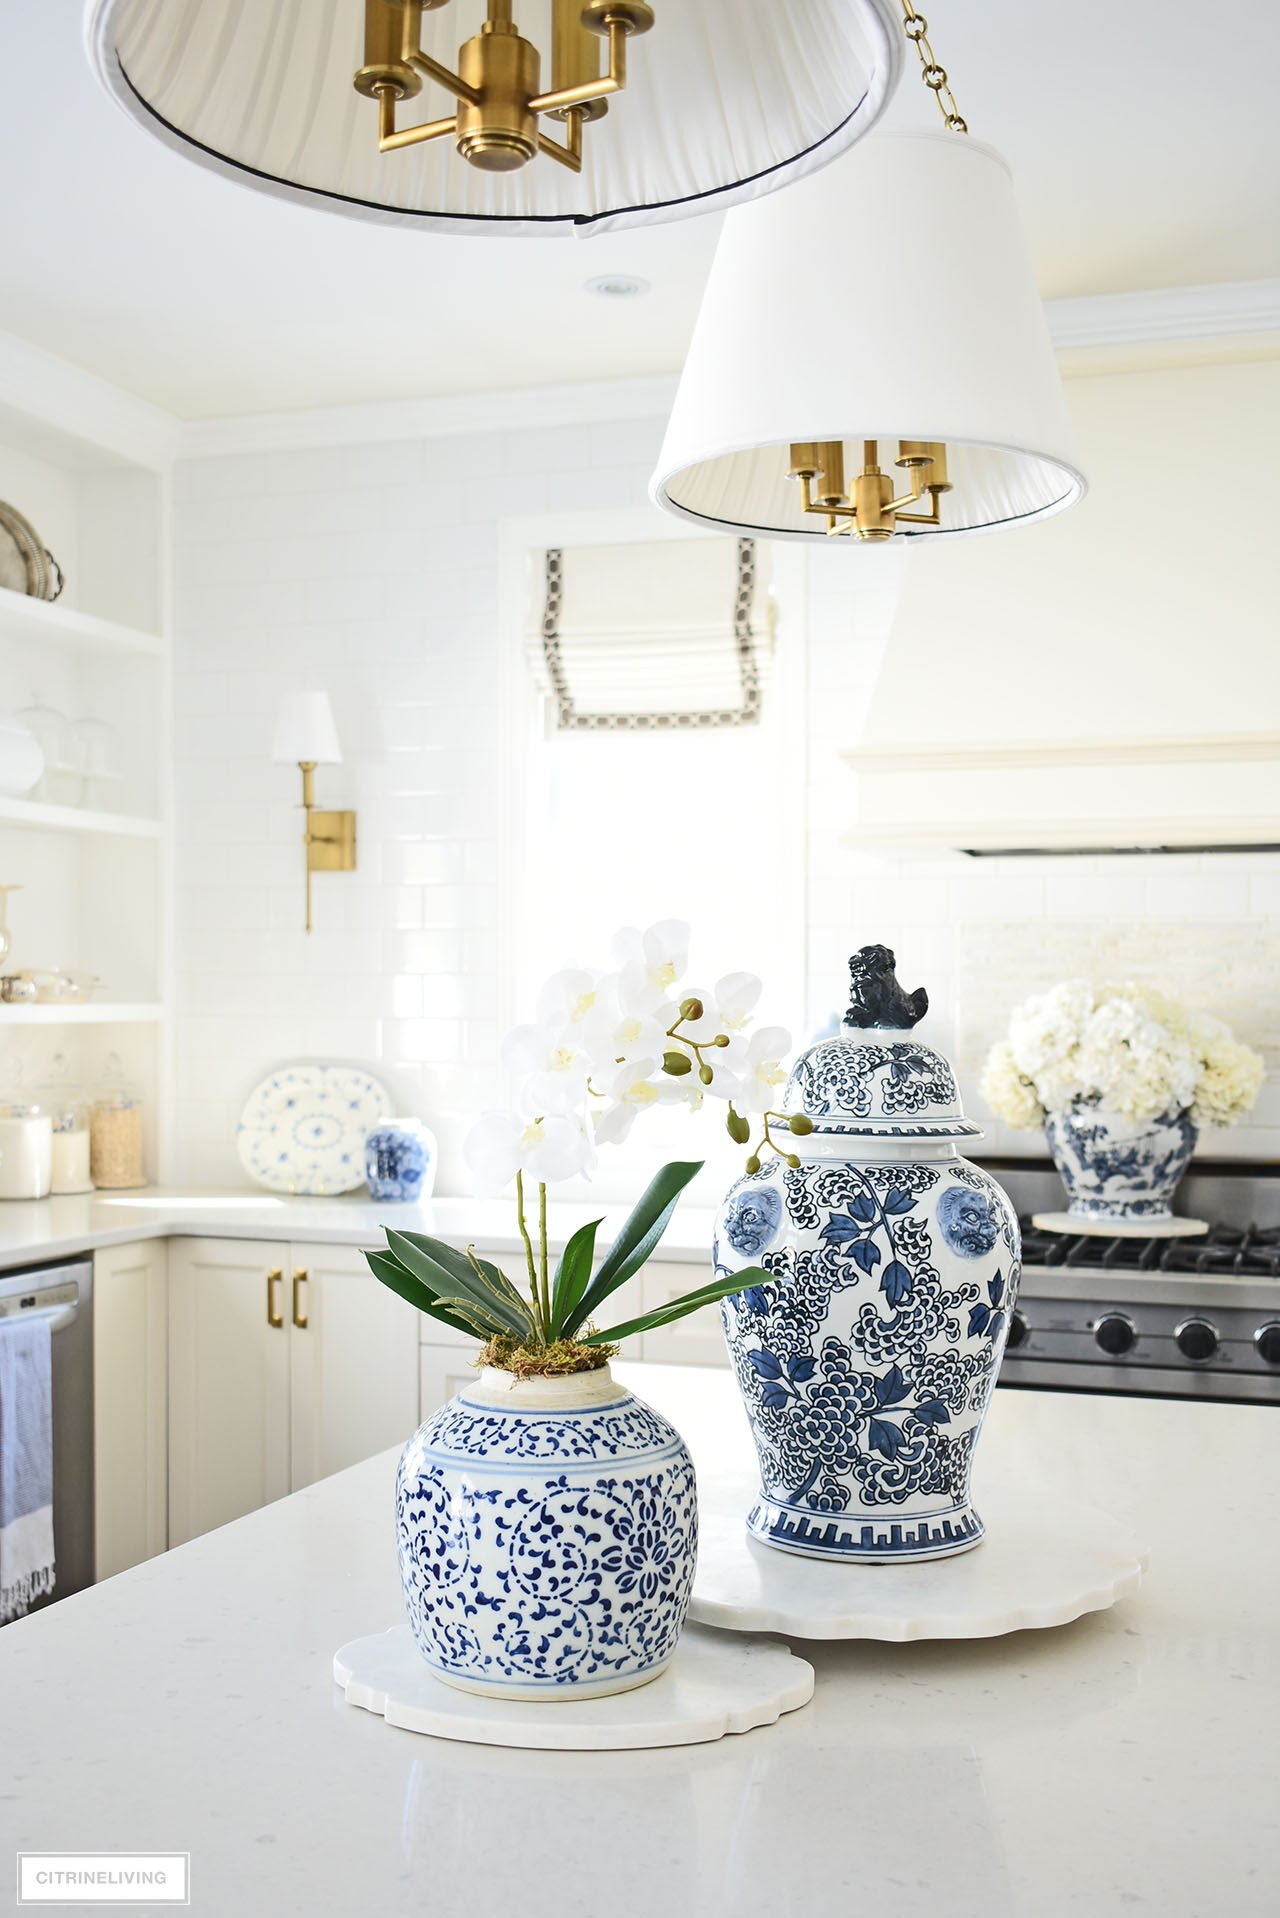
[867, 1359]
[400, 1160]
[1118, 1171]
[548, 1533]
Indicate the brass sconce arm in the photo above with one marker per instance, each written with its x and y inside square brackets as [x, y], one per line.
[329, 837]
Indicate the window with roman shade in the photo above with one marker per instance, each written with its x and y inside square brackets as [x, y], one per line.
[661, 635]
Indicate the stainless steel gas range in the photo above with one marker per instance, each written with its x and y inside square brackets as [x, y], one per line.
[1192, 1318]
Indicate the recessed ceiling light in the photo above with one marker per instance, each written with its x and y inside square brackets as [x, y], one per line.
[616, 286]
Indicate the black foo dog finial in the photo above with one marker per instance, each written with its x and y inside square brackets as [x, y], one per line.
[876, 998]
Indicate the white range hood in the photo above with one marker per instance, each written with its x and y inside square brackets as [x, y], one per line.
[1207, 793]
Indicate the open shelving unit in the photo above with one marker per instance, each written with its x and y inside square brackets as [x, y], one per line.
[90, 468]
[87, 1013]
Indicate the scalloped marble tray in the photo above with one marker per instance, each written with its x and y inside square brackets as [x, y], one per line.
[715, 1685]
[1041, 1563]
[1119, 1228]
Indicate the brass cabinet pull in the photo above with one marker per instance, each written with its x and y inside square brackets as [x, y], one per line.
[274, 1318]
[299, 1280]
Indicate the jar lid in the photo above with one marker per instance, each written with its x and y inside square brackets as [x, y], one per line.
[874, 1080]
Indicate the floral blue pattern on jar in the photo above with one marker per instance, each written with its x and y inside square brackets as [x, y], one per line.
[867, 1362]
[547, 1548]
[400, 1161]
[1117, 1169]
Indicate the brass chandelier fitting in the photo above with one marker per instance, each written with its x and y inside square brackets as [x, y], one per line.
[869, 509]
[498, 83]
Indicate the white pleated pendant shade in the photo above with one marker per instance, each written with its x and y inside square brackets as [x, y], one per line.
[889, 297]
[725, 100]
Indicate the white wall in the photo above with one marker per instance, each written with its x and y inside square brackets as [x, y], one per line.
[372, 570]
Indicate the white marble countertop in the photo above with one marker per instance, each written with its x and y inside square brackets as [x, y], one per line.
[1118, 1764]
[36, 1230]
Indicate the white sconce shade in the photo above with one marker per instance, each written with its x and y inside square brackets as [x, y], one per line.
[305, 731]
[887, 298]
[724, 101]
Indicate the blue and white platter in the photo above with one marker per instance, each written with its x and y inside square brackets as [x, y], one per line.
[303, 1129]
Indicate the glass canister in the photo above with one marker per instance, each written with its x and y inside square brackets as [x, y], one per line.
[400, 1160]
[26, 1149]
[68, 1109]
[115, 1132]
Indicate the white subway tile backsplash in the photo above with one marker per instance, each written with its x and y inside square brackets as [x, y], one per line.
[373, 571]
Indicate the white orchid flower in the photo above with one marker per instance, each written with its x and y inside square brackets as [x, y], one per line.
[655, 959]
[550, 1066]
[735, 999]
[616, 1032]
[631, 1090]
[758, 1069]
[500, 1144]
[568, 998]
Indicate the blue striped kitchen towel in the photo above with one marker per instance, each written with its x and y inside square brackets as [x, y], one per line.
[26, 1462]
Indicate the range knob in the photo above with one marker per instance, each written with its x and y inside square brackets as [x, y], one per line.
[1267, 1340]
[1115, 1333]
[1019, 1330]
[1196, 1338]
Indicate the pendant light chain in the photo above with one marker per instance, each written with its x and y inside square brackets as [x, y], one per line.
[916, 28]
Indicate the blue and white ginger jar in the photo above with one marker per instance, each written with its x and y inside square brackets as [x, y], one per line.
[1119, 1171]
[868, 1360]
[548, 1534]
[400, 1160]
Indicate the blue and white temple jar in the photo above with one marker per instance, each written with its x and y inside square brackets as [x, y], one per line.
[868, 1360]
[1119, 1171]
[548, 1534]
[400, 1158]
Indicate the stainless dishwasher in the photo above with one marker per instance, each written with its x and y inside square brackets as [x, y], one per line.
[65, 1293]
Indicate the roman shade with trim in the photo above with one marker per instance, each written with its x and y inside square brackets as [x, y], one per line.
[672, 635]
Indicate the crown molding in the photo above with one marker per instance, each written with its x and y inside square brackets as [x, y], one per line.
[1165, 313]
[581, 403]
[61, 412]
[1115, 320]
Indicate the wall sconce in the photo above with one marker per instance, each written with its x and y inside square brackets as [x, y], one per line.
[307, 737]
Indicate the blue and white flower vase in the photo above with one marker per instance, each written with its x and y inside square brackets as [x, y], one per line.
[868, 1360]
[548, 1534]
[400, 1160]
[1119, 1171]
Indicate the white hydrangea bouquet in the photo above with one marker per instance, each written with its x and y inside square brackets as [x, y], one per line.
[605, 1047]
[1121, 1078]
[1126, 1046]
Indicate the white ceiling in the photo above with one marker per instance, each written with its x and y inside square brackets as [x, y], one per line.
[1141, 137]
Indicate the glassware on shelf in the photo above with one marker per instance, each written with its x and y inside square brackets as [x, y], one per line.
[21, 759]
[48, 986]
[68, 1109]
[60, 783]
[95, 753]
[6, 937]
[115, 1131]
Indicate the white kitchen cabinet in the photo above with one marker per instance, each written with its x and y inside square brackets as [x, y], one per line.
[228, 1381]
[695, 1340]
[353, 1366]
[130, 1404]
[286, 1363]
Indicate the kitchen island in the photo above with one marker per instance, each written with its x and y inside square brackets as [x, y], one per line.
[1120, 1763]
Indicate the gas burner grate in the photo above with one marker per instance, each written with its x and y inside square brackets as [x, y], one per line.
[1224, 1250]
